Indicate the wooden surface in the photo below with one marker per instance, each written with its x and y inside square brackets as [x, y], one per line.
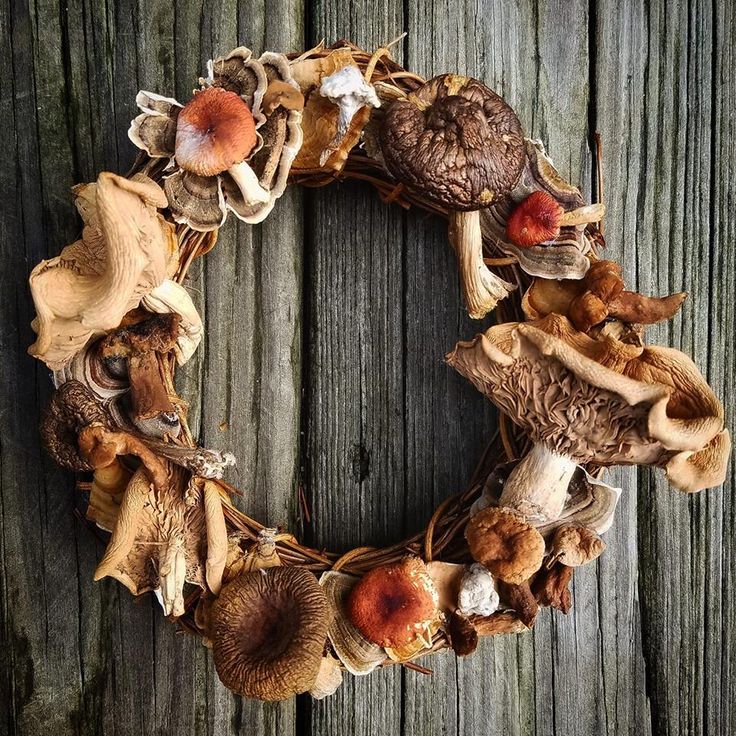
[322, 365]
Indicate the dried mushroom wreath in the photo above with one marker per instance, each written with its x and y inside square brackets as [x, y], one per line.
[567, 366]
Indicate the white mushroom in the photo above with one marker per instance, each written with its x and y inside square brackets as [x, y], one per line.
[478, 595]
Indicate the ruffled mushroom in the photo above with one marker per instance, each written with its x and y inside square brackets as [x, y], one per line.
[506, 544]
[226, 154]
[124, 253]
[587, 400]
[460, 145]
[394, 605]
[269, 632]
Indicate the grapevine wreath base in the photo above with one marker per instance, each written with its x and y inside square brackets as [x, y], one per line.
[577, 387]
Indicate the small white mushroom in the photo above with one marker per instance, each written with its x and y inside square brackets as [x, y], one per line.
[350, 92]
[478, 595]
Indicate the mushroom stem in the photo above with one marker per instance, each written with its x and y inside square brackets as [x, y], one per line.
[248, 183]
[482, 289]
[537, 486]
[148, 394]
[172, 575]
[584, 215]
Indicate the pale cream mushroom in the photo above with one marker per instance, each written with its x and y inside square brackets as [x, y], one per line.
[593, 400]
[123, 255]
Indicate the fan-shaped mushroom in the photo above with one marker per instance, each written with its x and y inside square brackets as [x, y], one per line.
[593, 400]
[461, 146]
[124, 252]
[269, 632]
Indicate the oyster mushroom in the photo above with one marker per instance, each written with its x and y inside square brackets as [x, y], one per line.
[124, 253]
[138, 344]
[269, 631]
[461, 146]
[593, 400]
[395, 605]
[504, 543]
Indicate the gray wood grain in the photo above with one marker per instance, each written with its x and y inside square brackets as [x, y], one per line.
[326, 328]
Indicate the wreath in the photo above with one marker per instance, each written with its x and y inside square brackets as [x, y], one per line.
[566, 364]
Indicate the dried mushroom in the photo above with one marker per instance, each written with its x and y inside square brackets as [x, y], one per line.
[269, 631]
[591, 400]
[478, 595]
[225, 153]
[521, 600]
[551, 587]
[125, 252]
[329, 678]
[598, 296]
[395, 605]
[460, 145]
[503, 542]
[574, 545]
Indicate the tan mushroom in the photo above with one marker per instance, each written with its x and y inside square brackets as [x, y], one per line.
[269, 632]
[504, 543]
[124, 253]
[459, 145]
[329, 678]
[574, 545]
[592, 400]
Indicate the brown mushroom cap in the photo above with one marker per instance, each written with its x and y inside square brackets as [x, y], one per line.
[456, 141]
[214, 131]
[507, 545]
[394, 604]
[269, 632]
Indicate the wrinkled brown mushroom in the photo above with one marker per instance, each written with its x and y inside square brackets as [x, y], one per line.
[139, 343]
[462, 635]
[551, 587]
[461, 146]
[574, 545]
[598, 296]
[394, 605]
[521, 600]
[269, 631]
[124, 253]
[502, 541]
[591, 400]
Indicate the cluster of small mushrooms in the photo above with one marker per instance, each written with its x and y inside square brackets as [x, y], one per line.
[572, 372]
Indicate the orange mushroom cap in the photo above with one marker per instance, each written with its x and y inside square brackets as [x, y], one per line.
[535, 220]
[393, 604]
[215, 130]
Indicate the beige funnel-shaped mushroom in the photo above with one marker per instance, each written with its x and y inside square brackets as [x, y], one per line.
[124, 252]
[458, 144]
[603, 401]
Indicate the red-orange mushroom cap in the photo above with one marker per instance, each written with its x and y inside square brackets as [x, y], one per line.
[535, 220]
[215, 130]
[393, 605]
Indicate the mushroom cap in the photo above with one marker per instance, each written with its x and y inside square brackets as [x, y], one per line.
[535, 220]
[269, 632]
[597, 400]
[574, 545]
[393, 604]
[505, 543]
[214, 131]
[454, 140]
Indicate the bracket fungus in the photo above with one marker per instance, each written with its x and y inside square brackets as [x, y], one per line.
[124, 253]
[594, 400]
[224, 152]
[269, 631]
[460, 145]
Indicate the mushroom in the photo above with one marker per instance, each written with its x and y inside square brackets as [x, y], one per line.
[395, 605]
[269, 630]
[521, 600]
[332, 127]
[164, 539]
[458, 144]
[478, 596]
[358, 655]
[504, 543]
[596, 297]
[329, 678]
[592, 400]
[462, 634]
[138, 343]
[539, 217]
[550, 587]
[347, 89]
[574, 545]
[564, 255]
[226, 154]
[124, 253]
